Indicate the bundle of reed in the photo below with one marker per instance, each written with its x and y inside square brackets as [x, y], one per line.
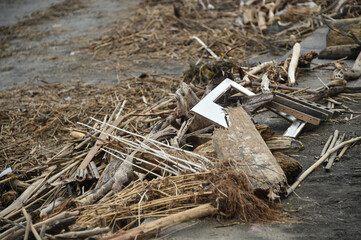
[228, 191]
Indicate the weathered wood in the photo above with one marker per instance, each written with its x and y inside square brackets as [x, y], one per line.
[319, 161]
[155, 227]
[354, 72]
[336, 52]
[285, 144]
[242, 146]
[291, 167]
[293, 64]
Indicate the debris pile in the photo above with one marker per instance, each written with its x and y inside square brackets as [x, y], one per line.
[83, 161]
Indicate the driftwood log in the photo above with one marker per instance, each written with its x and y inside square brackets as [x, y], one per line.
[242, 146]
[336, 52]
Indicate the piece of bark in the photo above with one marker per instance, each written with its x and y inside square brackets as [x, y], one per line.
[153, 228]
[290, 166]
[242, 146]
[336, 52]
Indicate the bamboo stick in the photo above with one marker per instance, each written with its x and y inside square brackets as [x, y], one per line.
[333, 155]
[324, 149]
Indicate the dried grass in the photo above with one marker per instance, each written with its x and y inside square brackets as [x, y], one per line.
[229, 192]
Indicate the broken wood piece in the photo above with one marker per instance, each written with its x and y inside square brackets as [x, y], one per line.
[284, 144]
[293, 64]
[333, 155]
[318, 162]
[153, 228]
[336, 52]
[242, 146]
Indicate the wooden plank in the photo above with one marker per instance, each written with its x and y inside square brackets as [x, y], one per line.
[243, 147]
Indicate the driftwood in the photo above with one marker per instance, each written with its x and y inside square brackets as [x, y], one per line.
[155, 227]
[343, 31]
[336, 52]
[333, 91]
[293, 64]
[243, 147]
[18, 231]
[320, 161]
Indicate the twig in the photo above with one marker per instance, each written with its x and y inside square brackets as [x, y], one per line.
[206, 47]
[324, 84]
[316, 164]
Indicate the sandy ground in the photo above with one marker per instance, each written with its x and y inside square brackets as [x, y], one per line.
[52, 49]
